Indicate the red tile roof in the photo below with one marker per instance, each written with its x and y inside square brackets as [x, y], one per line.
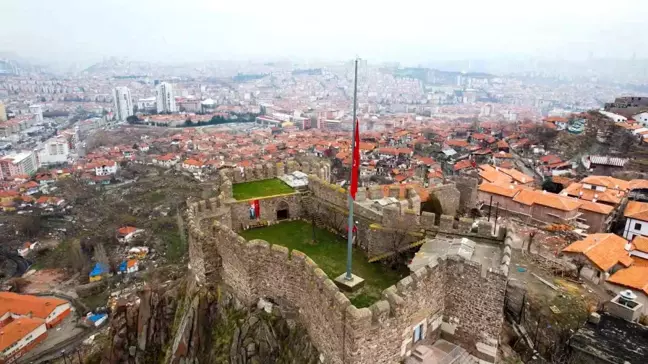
[604, 250]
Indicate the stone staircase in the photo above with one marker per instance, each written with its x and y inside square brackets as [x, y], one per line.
[441, 352]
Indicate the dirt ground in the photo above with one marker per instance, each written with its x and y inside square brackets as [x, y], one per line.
[43, 280]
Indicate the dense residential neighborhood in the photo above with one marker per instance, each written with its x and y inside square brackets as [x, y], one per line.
[124, 192]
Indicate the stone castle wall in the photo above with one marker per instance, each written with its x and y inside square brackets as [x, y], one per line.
[400, 224]
[268, 207]
[449, 196]
[382, 333]
[451, 297]
[467, 187]
[263, 171]
[474, 307]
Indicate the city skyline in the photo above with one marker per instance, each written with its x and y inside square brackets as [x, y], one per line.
[71, 31]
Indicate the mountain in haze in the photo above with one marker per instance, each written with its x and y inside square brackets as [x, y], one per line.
[120, 67]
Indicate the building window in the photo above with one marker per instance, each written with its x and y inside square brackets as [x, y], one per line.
[418, 333]
[637, 226]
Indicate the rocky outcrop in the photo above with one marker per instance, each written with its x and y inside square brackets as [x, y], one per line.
[140, 330]
[211, 326]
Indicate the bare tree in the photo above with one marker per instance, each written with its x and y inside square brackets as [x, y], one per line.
[76, 258]
[543, 135]
[30, 226]
[18, 284]
[397, 239]
[532, 235]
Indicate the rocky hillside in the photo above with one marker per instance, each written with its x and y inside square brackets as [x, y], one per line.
[211, 326]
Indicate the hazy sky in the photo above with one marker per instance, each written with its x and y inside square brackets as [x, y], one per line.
[410, 31]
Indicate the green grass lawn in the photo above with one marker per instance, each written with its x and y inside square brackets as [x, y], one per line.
[329, 252]
[268, 187]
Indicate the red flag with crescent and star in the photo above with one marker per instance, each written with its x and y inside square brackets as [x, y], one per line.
[355, 166]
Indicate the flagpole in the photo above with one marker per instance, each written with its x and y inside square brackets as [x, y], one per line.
[351, 223]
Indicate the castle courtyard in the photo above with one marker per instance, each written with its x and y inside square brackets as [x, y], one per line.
[329, 252]
[257, 189]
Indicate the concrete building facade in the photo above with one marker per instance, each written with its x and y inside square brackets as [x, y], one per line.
[123, 103]
[19, 163]
[165, 101]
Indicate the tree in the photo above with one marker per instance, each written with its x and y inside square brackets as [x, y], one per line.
[188, 122]
[75, 257]
[622, 140]
[30, 226]
[550, 186]
[398, 239]
[133, 119]
[543, 135]
[18, 284]
[532, 235]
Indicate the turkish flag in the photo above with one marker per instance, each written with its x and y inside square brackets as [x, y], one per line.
[257, 209]
[355, 167]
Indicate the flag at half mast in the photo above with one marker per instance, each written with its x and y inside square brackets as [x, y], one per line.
[355, 164]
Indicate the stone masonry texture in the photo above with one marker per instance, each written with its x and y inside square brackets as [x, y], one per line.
[451, 297]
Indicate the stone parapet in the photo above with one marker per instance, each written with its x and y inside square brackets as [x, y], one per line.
[342, 332]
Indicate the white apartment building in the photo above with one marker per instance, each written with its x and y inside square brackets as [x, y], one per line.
[37, 111]
[3, 112]
[18, 163]
[165, 99]
[642, 118]
[53, 151]
[147, 104]
[107, 168]
[615, 117]
[123, 103]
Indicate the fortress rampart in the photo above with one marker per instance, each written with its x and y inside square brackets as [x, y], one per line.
[451, 297]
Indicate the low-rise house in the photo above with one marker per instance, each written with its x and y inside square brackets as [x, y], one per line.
[167, 161]
[50, 309]
[127, 233]
[601, 189]
[545, 207]
[192, 165]
[128, 266]
[597, 216]
[464, 166]
[106, 168]
[95, 319]
[138, 252]
[26, 248]
[604, 165]
[30, 188]
[98, 272]
[8, 195]
[492, 174]
[19, 336]
[636, 214]
[600, 256]
[634, 278]
[609, 339]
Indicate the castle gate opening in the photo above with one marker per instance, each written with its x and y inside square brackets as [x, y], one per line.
[283, 212]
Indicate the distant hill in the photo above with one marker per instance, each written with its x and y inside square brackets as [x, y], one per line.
[120, 67]
[11, 64]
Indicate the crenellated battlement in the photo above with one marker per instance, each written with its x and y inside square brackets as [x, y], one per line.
[262, 171]
[342, 332]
